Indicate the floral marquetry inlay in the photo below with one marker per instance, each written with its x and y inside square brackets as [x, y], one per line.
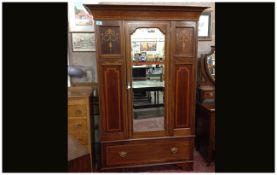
[110, 40]
[184, 41]
[184, 37]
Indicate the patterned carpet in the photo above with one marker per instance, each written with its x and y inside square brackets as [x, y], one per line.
[149, 124]
[200, 165]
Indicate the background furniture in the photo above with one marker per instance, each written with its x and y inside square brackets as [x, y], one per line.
[78, 156]
[205, 109]
[121, 145]
[206, 131]
[141, 87]
[139, 73]
[146, 86]
[79, 123]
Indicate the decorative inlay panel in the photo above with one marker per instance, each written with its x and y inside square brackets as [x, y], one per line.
[184, 41]
[112, 88]
[110, 39]
[183, 74]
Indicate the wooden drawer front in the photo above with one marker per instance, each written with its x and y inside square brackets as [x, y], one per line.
[77, 100]
[81, 136]
[208, 95]
[141, 153]
[77, 110]
[77, 125]
[78, 128]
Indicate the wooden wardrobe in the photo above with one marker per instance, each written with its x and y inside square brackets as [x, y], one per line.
[166, 88]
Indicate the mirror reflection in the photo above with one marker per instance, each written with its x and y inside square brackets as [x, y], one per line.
[148, 56]
[211, 64]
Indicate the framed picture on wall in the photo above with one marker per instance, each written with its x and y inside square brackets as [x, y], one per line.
[83, 41]
[151, 46]
[80, 19]
[204, 26]
[148, 46]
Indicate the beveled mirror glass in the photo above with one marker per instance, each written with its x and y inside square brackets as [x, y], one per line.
[147, 59]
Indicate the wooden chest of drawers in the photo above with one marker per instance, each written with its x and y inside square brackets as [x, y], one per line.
[206, 94]
[77, 107]
[205, 131]
[78, 128]
[127, 153]
[79, 124]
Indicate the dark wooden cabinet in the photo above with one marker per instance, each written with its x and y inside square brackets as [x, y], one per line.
[205, 142]
[205, 108]
[171, 142]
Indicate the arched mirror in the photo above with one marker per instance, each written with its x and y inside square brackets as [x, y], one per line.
[147, 60]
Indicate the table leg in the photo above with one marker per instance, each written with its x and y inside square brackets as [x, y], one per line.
[155, 97]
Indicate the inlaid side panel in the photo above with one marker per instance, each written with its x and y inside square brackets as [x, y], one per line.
[112, 98]
[111, 77]
[110, 39]
[184, 41]
[183, 90]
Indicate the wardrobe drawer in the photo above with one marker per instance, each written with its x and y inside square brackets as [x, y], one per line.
[78, 110]
[147, 152]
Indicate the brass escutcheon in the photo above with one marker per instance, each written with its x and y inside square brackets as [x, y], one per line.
[174, 150]
[122, 154]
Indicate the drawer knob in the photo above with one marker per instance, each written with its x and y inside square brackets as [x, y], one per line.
[174, 150]
[78, 112]
[122, 154]
[78, 125]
